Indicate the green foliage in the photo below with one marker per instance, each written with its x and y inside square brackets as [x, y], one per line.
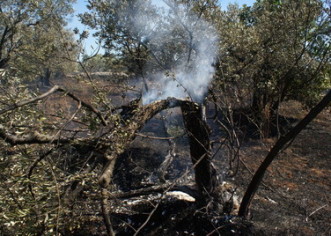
[113, 22]
[102, 63]
[38, 204]
[275, 51]
[128, 29]
[33, 39]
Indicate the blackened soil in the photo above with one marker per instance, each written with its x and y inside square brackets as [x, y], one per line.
[294, 198]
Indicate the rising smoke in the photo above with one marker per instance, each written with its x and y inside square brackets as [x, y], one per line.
[183, 47]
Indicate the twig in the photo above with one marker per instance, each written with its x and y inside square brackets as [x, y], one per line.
[251, 172]
[69, 120]
[155, 137]
[29, 101]
[95, 89]
[58, 197]
[316, 211]
[215, 230]
[148, 218]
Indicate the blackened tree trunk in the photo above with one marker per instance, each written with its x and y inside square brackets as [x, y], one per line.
[198, 133]
[45, 79]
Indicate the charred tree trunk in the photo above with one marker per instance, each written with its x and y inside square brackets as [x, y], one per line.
[198, 133]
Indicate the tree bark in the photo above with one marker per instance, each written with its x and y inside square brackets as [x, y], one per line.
[198, 133]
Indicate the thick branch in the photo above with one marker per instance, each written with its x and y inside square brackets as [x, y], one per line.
[86, 105]
[30, 138]
[154, 189]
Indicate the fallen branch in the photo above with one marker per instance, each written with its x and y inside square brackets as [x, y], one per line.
[320, 208]
[85, 104]
[30, 138]
[155, 137]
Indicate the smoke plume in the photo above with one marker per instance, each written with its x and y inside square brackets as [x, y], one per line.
[182, 47]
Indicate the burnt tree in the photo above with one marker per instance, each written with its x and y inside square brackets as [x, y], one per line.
[119, 135]
[198, 133]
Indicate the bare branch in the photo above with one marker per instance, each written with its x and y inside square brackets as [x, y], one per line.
[86, 105]
[54, 89]
[155, 137]
[31, 100]
[30, 138]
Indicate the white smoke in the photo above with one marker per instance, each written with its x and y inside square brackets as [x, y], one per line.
[183, 47]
